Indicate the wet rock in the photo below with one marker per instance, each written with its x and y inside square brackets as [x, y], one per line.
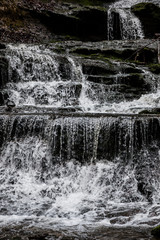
[64, 68]
[150, 111]
[107, 80]
[144, 55]
[10, 105]
[80, 24]
[137, 81]
[156, 231]
[92, 67]
[119, 80]
[155, 68]
[146, 12]
[116, 26]
[3, 71]
[2, 46]
[1, 99]
[130, 69]
[145, 190]
[90, 28]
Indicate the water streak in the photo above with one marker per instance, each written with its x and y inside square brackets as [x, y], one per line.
[122, 23]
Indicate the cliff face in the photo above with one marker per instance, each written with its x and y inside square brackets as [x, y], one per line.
[46, 21]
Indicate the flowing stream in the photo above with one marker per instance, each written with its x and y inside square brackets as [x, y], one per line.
[61, 165]
[77, 171]
[38, 77]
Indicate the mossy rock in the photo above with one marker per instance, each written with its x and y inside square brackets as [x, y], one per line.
[145, 56]
[150, 111]
[149, 15]
[156, 231]
[155, 68]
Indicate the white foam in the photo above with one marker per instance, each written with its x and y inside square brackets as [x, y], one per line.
[68, 195]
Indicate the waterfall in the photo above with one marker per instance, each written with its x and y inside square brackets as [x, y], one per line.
[66, 158]
[38, 77]
[80, 170]
[122, 23]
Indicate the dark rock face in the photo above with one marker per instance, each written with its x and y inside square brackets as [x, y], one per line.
[155, 68]
[156, 232]
[93, 25]
[3, 72]
[40, 21]
[92, 67]
[3, 78]
[116, 26]
[81, 24]
[2, 46]
[149, 15]
[1, 99]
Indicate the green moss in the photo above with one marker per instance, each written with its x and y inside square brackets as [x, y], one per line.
[146, 8]
[156, 231]
[139, 7]
[155, 68]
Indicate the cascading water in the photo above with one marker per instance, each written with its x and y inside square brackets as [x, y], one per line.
[36, 78]
[39, 77]
[129, 26]
[46, 178]
[69, 169]
[122, 23]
